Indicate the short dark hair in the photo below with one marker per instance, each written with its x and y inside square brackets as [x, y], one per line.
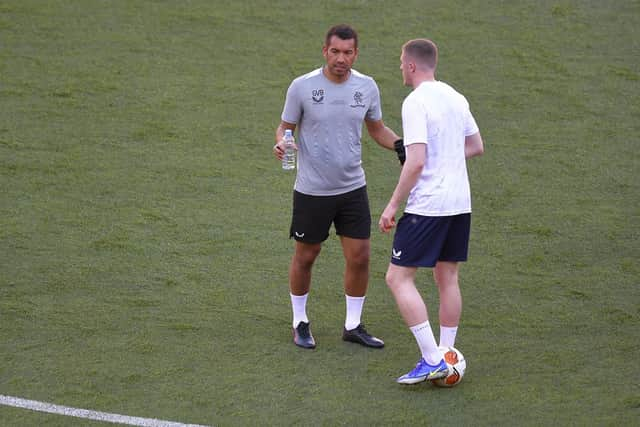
[342, 31]
[422, 50]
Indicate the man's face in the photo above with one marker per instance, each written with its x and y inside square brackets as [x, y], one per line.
[405, 67]
[340, 56]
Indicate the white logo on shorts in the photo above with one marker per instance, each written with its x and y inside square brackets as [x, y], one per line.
[300, 235]
[396, 254]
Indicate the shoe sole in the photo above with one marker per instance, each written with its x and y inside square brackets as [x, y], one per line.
[362, 343]
[308, 347]
[410, 381]
[442, 374]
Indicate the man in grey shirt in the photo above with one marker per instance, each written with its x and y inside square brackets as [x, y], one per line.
[329, 106]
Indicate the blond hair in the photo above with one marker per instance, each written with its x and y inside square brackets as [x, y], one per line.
[422, 51]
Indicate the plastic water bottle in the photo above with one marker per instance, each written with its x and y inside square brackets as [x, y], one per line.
[289, 158]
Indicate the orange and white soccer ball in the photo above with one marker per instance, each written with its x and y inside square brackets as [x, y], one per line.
[457, 365]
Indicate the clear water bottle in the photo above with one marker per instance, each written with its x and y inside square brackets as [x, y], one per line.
[289, 158]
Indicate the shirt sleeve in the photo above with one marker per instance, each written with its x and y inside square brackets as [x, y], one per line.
[292, 110]
[375, 110]
[414, 122]
[470, 126]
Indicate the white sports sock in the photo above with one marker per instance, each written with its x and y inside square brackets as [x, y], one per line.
[299, 307]
[448, 335]
[354, 312]
[427, 343]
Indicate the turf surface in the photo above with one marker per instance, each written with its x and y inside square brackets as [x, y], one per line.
[143, 219]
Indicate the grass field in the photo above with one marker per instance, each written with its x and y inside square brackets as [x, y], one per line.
[144, 220]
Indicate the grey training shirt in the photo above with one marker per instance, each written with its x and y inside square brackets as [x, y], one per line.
[329, 118]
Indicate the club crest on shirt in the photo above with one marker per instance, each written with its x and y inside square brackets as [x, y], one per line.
[317, 95]
[358, 99]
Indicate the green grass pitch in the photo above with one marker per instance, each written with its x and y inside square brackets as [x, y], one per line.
[144, 220]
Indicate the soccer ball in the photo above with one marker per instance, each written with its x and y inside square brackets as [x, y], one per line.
[457, 365]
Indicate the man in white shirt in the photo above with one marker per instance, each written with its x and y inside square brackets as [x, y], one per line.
[439, 134]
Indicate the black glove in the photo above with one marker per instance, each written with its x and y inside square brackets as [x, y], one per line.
[399, 147]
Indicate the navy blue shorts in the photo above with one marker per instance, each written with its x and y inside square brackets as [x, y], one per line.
[421, 241]
[313, 216]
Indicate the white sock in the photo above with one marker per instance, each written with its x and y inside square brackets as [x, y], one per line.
[448, 335]
[427, 343]
[354, 312]
[299, 307]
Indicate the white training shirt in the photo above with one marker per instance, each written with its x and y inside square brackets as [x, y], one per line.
[329, 118]
[436, 114]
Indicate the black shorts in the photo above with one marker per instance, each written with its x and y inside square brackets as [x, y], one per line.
[421, 241]
[313, 216]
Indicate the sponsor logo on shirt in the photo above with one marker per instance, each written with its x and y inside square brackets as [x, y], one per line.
[317, 95]
[359, 102]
